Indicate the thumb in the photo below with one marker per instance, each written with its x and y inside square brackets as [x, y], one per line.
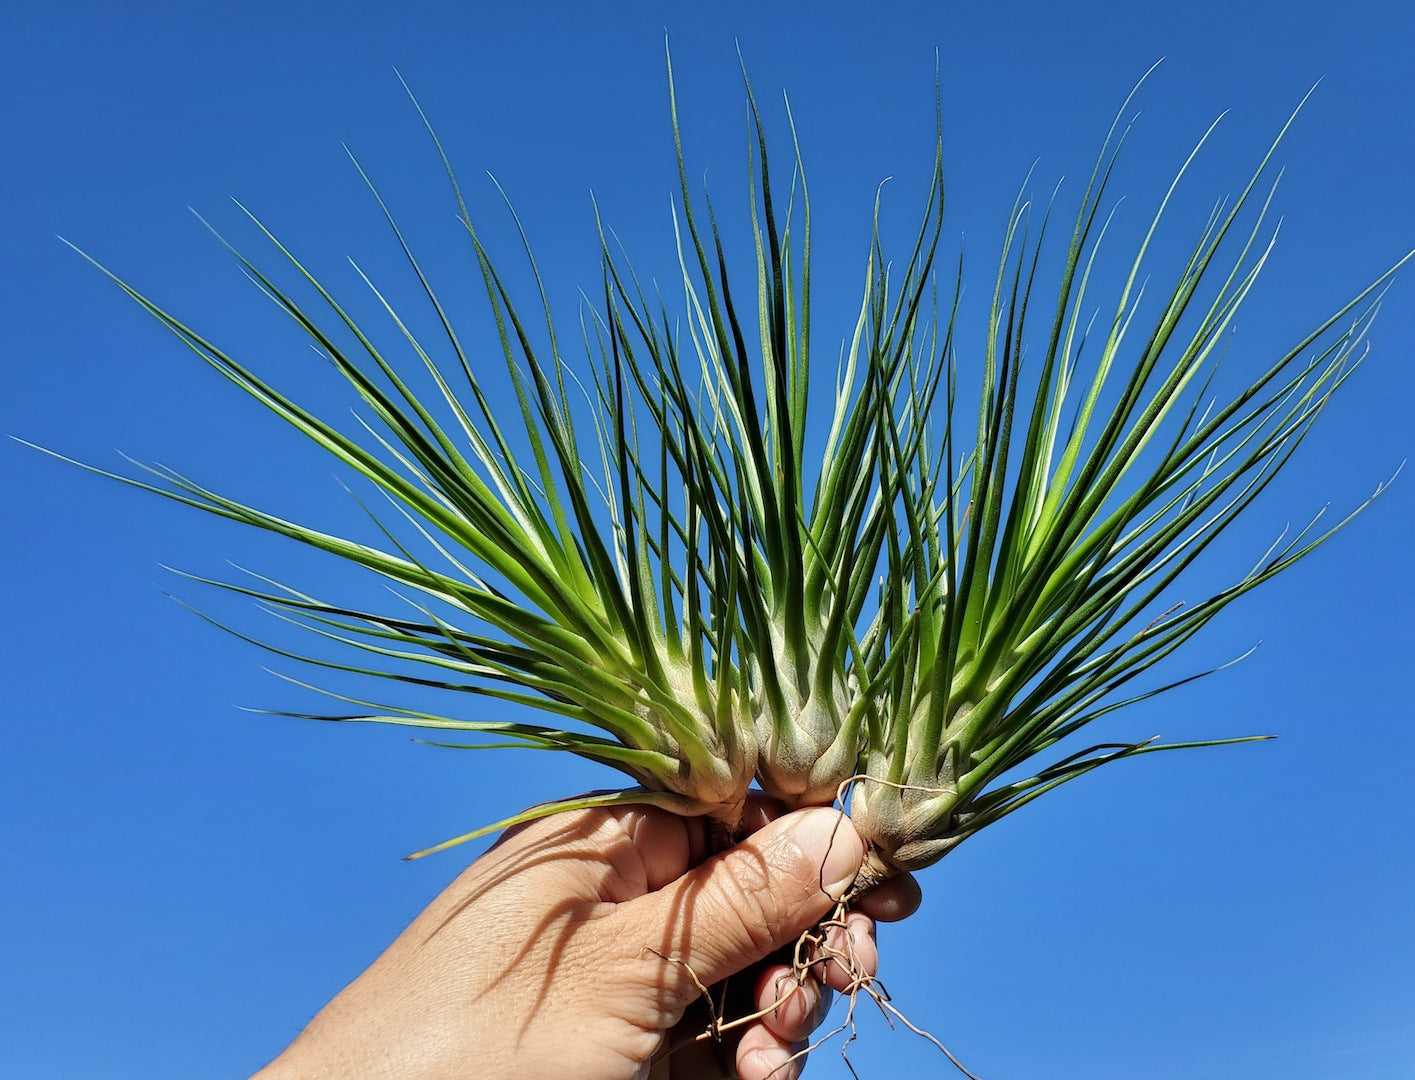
[739, 906]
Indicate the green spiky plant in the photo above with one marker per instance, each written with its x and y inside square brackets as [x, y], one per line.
[1028, 587]
[650, 558]
[667, 585]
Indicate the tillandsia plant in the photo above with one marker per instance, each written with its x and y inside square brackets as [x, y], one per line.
[654, 556]
[800, 569]
[1028, 586]
[673, 586]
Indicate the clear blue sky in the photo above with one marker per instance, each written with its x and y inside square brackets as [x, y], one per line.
[185, 883]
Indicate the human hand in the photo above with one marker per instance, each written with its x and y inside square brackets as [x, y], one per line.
[575, 945]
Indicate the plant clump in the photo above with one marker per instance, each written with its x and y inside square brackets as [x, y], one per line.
[646, 548]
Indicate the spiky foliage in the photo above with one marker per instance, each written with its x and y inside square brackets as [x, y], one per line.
[1029, 586]
[644, 557]
[650, 557]
[801, 555]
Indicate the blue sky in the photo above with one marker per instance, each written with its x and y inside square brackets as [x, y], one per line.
[186, 883]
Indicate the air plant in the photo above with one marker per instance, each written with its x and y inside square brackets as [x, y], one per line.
[666, 585]
[1028, 585]
[645, 553]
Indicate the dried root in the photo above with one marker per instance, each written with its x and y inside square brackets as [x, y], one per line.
[830, 943]
[827, 949]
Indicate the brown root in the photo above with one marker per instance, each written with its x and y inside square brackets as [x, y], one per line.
[815, 951]
[811, 958]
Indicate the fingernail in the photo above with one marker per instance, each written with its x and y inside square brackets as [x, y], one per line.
[792, 999]
[773, 1061]
[828, 839]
